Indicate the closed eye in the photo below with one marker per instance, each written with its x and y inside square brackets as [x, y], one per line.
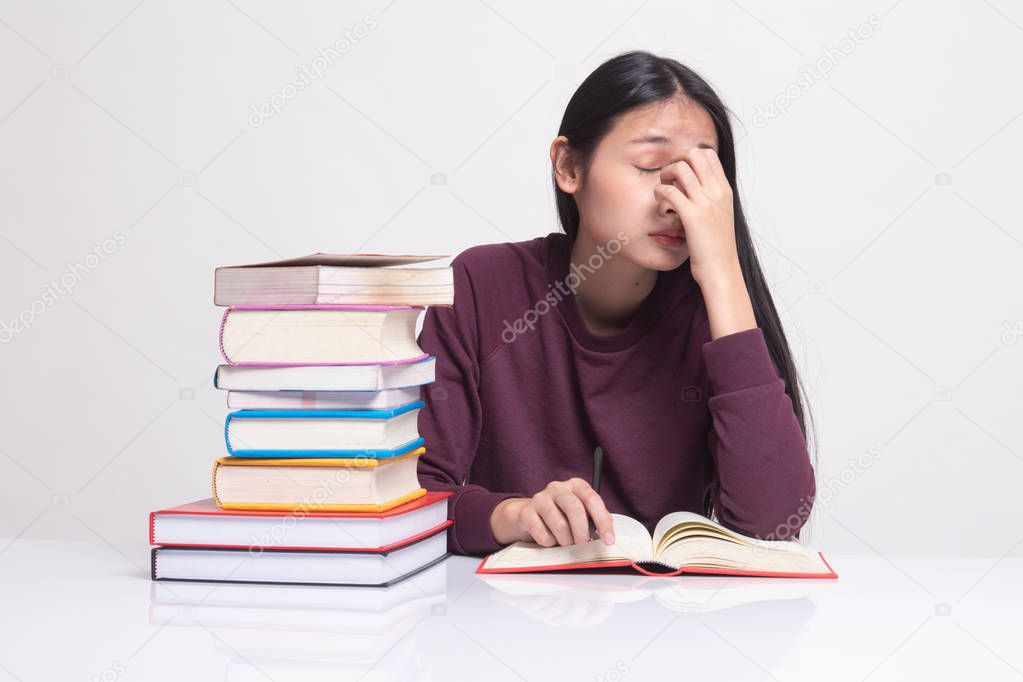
[648, 170]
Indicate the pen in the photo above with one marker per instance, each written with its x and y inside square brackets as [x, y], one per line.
[598, 460]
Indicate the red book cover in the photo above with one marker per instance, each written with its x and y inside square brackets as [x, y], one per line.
[208, 507]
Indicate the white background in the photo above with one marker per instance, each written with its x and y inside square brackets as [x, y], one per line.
[884, 201]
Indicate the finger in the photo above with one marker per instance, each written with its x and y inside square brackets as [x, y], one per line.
[708, 169]
[696, 157]
[682, 175]
[555, 519]
[530, 522]
[575, 512]
[714, 162]
[671, 198]
[594, 504]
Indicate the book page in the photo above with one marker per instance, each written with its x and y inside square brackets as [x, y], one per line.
[697, 552]
[680, 525]
[688, 539]
[632, 543]
[670, 526]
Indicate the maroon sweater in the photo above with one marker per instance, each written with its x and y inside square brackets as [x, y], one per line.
[525, 391]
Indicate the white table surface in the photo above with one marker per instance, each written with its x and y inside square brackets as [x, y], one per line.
[88, 611]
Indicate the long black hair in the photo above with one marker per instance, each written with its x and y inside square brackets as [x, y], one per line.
[634, 79]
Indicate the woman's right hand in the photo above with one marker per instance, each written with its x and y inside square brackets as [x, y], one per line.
[557, 515]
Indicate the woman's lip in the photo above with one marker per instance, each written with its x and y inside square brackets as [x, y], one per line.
[668, 238]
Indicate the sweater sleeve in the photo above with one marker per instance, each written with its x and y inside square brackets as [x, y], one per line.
[765, 482]
[451, 419]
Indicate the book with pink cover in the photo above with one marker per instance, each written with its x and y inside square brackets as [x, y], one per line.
[320, 335]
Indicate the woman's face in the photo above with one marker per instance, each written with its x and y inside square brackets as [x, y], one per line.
[616, 194]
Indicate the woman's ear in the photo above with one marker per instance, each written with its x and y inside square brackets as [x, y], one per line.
[563, 160]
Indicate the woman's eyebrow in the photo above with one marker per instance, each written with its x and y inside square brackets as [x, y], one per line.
[661, 140]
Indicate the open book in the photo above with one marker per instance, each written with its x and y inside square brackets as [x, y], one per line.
[682, 542]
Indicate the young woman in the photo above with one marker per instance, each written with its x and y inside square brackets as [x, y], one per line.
[646, 328]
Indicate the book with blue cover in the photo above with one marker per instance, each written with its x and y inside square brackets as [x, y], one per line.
[324, 433]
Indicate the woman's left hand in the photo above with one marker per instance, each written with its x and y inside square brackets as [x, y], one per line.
[698, 191]
[696, 188]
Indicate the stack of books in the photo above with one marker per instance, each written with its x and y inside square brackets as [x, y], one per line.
[319, 485]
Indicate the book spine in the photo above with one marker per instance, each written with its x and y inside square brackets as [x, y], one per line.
[227, 438]
[213, 484]
[220, 336]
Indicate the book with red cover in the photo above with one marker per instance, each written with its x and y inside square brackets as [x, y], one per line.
[203, 524]
[640, 567]
[682, 542]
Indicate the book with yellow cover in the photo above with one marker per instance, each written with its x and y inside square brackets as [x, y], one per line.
[364, 484]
